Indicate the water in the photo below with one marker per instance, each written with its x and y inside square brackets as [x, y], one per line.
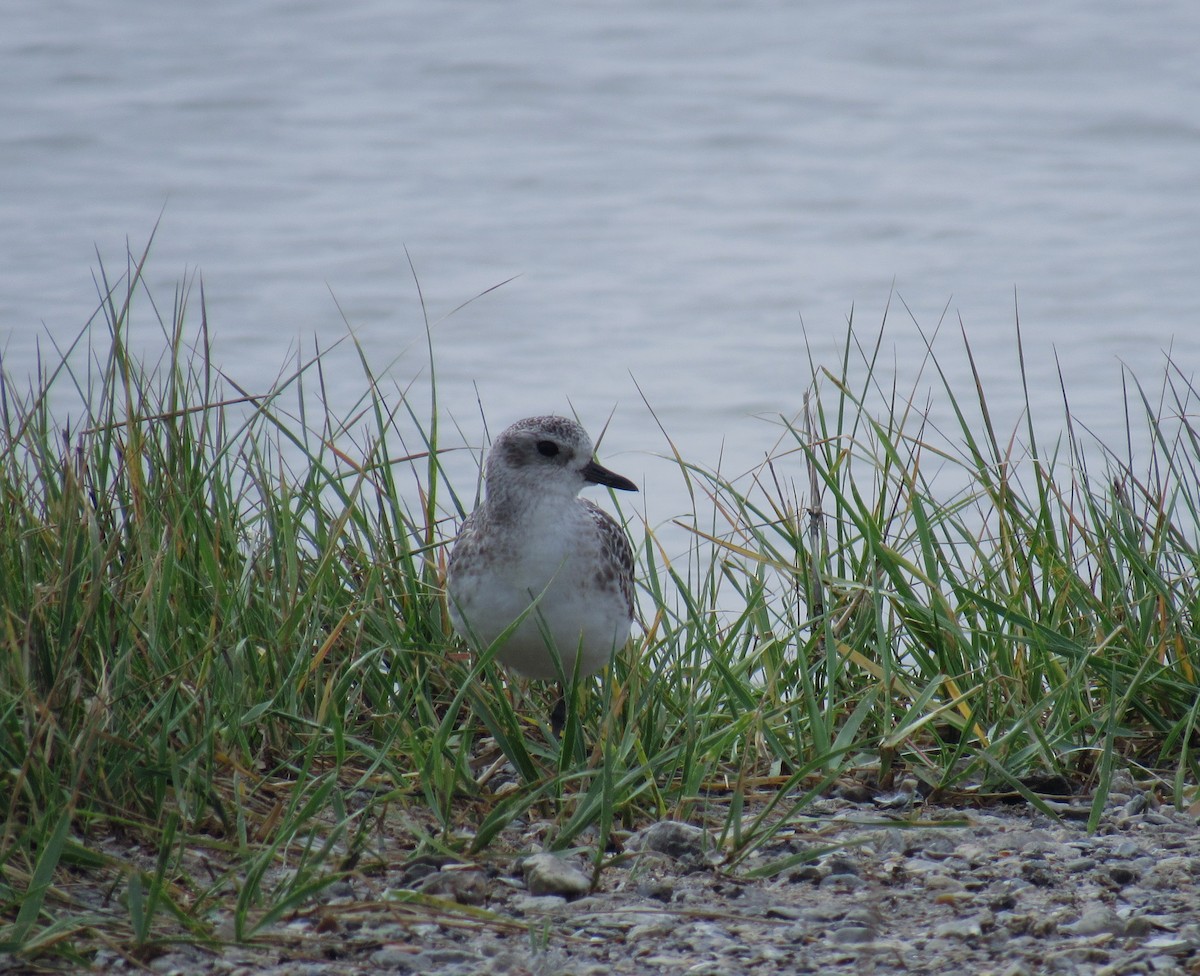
[691, 197]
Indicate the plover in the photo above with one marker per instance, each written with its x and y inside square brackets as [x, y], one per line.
[533, 547]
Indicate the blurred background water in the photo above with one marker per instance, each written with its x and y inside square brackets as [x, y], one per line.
[693, 197]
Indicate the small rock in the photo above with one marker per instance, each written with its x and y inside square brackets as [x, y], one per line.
[393, 957]
[415, 869]
[1040, 874]
[1141, 925]
[706, 968]
[549, 874]
[650, 925]
[1172, 872]
[1078, 865]
[659, 890]
[1122, 875]
[840, 865]
[842, 882]
[1134, 806]
[865, 915]
[959, 928]
[805, 872]
[1170, 944]
[673, 838]
[935, 847]
[537, 904]
[445, 961]
[464, 887]
[852, 935]
[768, 954]
[827, 912]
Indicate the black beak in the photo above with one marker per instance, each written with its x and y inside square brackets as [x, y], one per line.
[596, 474]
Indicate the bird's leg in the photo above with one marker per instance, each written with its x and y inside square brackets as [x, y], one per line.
[558, 713]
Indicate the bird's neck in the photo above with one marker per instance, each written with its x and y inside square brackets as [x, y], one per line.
[514, 507]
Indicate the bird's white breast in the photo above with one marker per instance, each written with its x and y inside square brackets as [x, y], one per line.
[551, 561]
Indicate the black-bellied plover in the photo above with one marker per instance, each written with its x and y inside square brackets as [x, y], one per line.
[534, 547]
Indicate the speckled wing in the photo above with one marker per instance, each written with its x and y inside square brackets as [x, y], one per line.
[463, 545]
[464, 556]
[616, 568]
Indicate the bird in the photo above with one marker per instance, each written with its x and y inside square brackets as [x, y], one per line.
[534, 551]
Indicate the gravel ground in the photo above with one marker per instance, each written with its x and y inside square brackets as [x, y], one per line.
[1001, 890]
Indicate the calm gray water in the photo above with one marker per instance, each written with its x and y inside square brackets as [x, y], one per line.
[678, 188]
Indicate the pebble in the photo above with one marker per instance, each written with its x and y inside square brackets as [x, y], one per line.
[964, 928]
[852, 934]
[673, 838]
[842, 883]
[1122, 875]
[1095, 920]
[430, 958]
[1003, 892]
[537, 904]
[393, 957]
[464, 887]
[549, 874]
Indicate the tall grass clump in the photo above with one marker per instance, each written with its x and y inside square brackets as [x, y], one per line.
[1036, 622]
[227, 679]
[217, 626]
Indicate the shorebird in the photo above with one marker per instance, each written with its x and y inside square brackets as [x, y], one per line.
[534, 551]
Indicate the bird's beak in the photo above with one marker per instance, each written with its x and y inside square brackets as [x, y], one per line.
[595, 473]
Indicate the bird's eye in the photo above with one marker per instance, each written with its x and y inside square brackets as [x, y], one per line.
[547, 448]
